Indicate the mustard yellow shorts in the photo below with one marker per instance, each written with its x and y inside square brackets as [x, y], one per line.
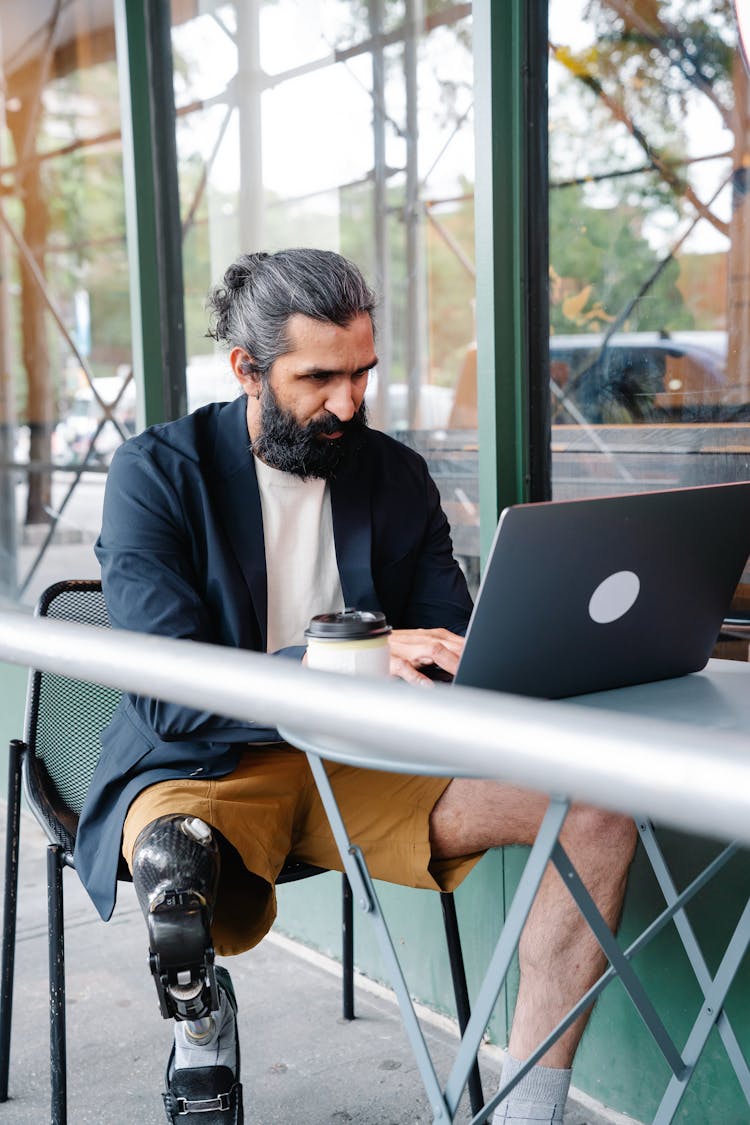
[269, 810]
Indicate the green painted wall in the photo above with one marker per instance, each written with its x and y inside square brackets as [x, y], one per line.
[12, 695]
[618, 1062]
[313, 910]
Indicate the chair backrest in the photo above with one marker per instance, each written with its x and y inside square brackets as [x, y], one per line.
[64, 721]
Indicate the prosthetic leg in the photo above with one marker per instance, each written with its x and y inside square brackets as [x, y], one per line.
[176, 874]
[176, 866]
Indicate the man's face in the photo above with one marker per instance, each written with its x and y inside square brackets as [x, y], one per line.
[310, 415]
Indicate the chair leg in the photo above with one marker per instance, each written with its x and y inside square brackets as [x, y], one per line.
[12, 844]
[58, 1060]
[460, 988]
[347, 947]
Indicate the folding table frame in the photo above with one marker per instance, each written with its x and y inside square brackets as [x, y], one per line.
[714, 988]
[444, 1101]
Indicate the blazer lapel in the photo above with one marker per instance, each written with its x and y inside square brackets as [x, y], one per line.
[352, 532]
[238, 501]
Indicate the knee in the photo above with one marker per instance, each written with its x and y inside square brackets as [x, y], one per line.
[598, 831]
[175, 854]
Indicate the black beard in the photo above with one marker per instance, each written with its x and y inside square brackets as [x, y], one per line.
[286, 445]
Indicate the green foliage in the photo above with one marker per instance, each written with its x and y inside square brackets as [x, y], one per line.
[599, 261]
[655, 53]
[651, 63]
[451, 289]
[85, 248]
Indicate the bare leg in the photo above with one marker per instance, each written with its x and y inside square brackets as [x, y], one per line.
[559, 956]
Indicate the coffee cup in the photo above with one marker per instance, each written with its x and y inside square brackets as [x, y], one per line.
[354, 641]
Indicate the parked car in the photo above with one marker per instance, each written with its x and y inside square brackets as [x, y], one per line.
[641, 377]
[630, 378]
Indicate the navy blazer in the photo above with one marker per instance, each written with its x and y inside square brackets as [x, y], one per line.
[182, 555]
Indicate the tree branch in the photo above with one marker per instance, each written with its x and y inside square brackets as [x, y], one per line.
[659, 163]
[659, 37]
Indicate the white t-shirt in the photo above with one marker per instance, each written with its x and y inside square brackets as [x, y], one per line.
[302, 574]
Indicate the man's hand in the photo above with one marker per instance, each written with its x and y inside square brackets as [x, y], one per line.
[412, 649]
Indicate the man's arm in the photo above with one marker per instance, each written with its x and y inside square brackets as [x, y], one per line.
[150, 585]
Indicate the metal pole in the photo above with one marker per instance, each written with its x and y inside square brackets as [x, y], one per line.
[8, 526]
[415, 311]
[380, 217]
[688, 768]
[57, 1046]
[499, 206]
[347, 947]
[8, 534]
[249, 90]
[536, 246]
[460, 991]
[12, 841]
[154, 230]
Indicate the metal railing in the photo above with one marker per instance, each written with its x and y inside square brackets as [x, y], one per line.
[692, 778]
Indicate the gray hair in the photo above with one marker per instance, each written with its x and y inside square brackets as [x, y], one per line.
[260, 292]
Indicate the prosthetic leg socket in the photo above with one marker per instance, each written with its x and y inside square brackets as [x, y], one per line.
[176, 868]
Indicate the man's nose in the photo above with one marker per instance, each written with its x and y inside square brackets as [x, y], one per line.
[342, 400]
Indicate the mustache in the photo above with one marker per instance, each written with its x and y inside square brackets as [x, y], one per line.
[331, 424]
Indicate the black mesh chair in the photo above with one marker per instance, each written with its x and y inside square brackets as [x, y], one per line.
[57, 758]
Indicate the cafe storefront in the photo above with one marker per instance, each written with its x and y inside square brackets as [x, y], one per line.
[552, 200]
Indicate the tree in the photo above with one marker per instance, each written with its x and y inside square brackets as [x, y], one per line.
[40, 409]
[653, 64]
[43, 96]
[600, 260]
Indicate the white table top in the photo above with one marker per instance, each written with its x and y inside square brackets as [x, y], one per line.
[717, 697]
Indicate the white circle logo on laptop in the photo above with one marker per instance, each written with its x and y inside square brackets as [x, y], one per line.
[613, 597]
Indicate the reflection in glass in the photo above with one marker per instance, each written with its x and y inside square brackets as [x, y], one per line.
[649, 251]
[65, 305]
[346, 126]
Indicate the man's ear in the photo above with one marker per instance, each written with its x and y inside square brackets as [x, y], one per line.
[245, 370]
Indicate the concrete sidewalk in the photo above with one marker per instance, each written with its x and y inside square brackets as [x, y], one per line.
[300, 1061]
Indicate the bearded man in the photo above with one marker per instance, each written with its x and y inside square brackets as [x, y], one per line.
[234, 526]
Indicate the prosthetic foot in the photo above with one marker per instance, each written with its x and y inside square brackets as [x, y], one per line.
[207, 1093]
[176, 874]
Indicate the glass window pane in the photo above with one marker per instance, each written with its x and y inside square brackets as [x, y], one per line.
[65, 307]
[648, 247]
[348, 127]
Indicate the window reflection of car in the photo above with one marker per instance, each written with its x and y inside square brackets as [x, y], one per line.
[673, 394]
[641, 378]
[631, 378]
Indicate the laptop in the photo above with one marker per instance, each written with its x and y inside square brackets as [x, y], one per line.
[585, 595]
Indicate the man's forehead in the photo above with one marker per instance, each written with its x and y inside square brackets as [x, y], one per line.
[307, 337]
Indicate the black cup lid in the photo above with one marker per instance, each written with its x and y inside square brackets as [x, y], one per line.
[350, 624]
